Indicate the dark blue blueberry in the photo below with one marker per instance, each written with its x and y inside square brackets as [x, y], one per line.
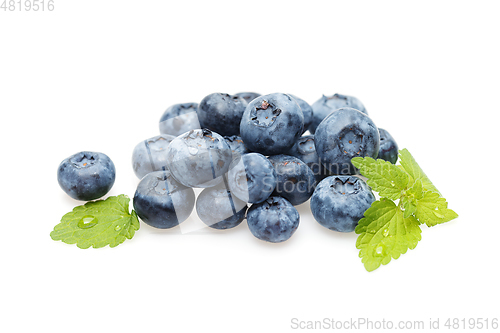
[161, 202]
[274, 220]
[219, 209]
[342, 135]
[86, 175]
[179, 119]
[251, 178]
[271, 124]
[247, 96]
[199, 158]
[237, 145]
[327, 104]
[222, 113]
[295, 180]
[388, 147]
[307, 111]
[305, 150]
[339, 202]
[151, 155]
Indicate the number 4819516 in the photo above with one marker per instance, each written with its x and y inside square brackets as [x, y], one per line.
[27, 5]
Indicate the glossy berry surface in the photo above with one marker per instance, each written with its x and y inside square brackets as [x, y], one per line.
[251, 178]
[327, 104]
[199, 158]
[219, 209]
[305, 150]
[307, 111]
[86, 175]
[236, 145]
[388, 147]
[271, 124]
[275, 220]
[339, 202]
[179, 119]
[221, 113]
[344, 134]
[248, 96]
[295, 180]
[151, 155]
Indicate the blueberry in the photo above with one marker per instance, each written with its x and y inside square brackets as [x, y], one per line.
[388, 147]
[327, 104]
[237, 145]
[161, 202]
[219, 209]
[222, 113]
[295, 180]
[274, 220]
[86, 175]
[151, 155]
[271, 124]
[247, 96]
[251, 178]
[339, 202]
[305, 150]
[342, 135]
[307, 111]
[179, 119]
[198, 158]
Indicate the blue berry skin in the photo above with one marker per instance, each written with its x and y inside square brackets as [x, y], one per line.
[388, 147]
[339, 202]
[179, 119]
[151, 155]
[161, 202]
[327, 104]
[237, 145]
[86, 175]
[342, 135]
[199, 158]
[222, 113]
[219, 209]
[248, 96]
[295, 180]
[274, 220]
[271, 124]
[305, 150]
[307, 111]
[251, 178]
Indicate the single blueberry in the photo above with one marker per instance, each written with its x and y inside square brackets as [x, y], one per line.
[86, 175]
[179, 119]
[247, 96]
[237, 145]
[161, 202]
[219, 209]
[151, 155]
[327, 104]
[251, 177]
[222, 113]
[295, 180]
[339, 202]
[342, 135]
[306, 110]
[271, 124]
[275, 220]
[388, 147]
[305, 150]
[199, 158]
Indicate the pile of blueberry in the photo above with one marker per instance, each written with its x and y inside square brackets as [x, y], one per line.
[247, 149]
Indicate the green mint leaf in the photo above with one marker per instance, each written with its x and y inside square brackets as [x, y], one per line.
[432, 209]
[98, 223]
[383, 177]
[385, 234]
[410, 198]
[410, 166]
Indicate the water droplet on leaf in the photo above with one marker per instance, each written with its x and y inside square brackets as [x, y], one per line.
[87, 222]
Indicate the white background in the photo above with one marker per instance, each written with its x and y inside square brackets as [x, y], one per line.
[97, 75]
